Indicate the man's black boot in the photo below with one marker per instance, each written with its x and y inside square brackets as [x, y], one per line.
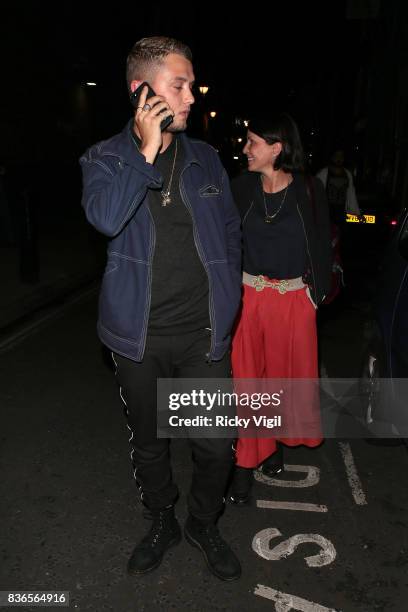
[220, 559]
[241, 485]
[164, 533]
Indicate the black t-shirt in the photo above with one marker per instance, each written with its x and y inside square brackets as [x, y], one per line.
[179, 298]
[276, 249]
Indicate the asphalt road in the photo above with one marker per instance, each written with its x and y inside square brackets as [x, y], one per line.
[70, 514]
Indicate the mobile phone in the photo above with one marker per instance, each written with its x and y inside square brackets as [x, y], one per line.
[135, 97]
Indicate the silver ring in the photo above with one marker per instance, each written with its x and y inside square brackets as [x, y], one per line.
[147, 107]
[139, 108]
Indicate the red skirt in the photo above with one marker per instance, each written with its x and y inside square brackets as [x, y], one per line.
[275, 337]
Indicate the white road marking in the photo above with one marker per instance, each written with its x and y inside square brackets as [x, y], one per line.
[352, 476]
[284, 505]
[284, 602]
[312, 478]
[262, 539]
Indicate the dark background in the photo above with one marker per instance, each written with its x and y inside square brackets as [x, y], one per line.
[340, 68]
[69, 504]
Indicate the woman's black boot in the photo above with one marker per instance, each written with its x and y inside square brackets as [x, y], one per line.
[273, 466]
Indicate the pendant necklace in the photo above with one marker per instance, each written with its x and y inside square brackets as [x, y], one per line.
[165, 194]
[269, 218]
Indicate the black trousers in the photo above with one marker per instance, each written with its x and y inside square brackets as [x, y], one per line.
[181, 356]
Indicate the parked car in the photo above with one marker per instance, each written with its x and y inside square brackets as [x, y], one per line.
[384, 379]
[369, 237]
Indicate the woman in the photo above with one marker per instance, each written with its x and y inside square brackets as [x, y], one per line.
[287, 272]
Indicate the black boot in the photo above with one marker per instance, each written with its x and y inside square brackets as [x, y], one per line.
[220, 559]
[241, 485]
[164, 533]
[274, 464]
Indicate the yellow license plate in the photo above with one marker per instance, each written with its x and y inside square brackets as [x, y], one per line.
[354, 219]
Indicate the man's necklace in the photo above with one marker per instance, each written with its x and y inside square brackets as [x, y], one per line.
[165, 193]
[269, 218]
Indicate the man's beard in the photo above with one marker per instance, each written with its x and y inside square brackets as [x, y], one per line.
[174, 128]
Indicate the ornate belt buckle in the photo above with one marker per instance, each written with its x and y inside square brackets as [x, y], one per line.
[259, 283]
[283, 286]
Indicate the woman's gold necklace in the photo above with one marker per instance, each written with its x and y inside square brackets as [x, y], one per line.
[269, 218]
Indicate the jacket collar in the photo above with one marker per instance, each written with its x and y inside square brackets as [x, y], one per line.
[191, 155]
[300, 189]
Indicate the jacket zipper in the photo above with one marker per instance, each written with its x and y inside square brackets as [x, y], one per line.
[201, 256]
[149, 283]
[308, 251]
[247, 212]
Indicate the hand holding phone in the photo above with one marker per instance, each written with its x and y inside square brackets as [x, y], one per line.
[135, 98]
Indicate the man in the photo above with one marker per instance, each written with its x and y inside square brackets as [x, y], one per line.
[171, 288]
[341, 195]
[342, 199]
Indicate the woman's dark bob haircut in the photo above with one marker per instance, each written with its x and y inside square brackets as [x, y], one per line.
[280, 127]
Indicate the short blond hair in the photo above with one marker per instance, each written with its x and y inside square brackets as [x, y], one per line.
[148, 53]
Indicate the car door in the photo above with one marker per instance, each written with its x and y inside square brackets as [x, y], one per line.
[399, 338]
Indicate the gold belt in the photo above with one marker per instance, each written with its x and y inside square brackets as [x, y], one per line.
[260, 282]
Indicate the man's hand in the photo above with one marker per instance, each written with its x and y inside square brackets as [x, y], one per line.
[148, 117]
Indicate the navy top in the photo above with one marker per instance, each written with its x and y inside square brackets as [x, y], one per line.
[276, 249]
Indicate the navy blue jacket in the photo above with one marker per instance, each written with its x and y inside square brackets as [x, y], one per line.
[116, 182]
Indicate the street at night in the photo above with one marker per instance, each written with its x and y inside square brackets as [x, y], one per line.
[71, 514]
[191, 192]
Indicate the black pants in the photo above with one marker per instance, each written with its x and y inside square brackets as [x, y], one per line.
[181, 356]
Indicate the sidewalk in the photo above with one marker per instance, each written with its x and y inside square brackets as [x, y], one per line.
[68, 259]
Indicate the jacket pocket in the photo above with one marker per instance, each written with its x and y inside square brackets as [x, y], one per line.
[209, 191]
